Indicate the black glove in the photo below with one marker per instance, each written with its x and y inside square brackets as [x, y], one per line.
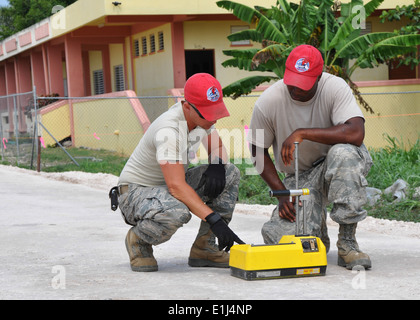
[223, 233]
[215, 180]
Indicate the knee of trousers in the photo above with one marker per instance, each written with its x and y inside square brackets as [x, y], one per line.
[347, 151]
[161, 227]
[342, 150]
[275, 228]
[348, 159]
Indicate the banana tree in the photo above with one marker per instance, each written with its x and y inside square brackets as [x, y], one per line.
[331, 27]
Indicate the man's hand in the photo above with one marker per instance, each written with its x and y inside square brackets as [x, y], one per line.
[226, 237]
[287, 209]
[215, 180]
[288, 147]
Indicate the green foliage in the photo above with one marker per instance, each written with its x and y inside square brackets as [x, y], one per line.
[405, 210]
[320, 23]
[393, 162]
[21, 14]
[53, 159]
[412, 14]
[252, 188]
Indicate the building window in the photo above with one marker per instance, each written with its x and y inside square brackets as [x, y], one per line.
[161, 41]
[143, 46]
[136, 48]
[152, 44]
[98, 82]
[119, 78]
[367, 29]
[234, 29]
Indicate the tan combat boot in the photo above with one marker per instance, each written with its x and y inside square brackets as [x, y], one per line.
[140, 253]
[205, 253]
[349, 254]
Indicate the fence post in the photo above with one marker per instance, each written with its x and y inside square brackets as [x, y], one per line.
[36, 134]
[36, 116]
[38, 162]
[16, 126]
[35, 141]
[1, 138]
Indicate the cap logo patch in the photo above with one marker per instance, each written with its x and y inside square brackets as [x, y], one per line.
[213, 94]
[302, 65]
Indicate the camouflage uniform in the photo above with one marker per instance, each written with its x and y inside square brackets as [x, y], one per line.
[339, 180]
[156, 214]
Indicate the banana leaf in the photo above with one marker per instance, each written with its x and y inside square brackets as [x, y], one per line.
[249, 15]
[388, 49]
[249, 34]
[245, 85]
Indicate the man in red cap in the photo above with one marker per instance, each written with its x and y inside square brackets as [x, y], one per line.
[318, 111]
[157, 191]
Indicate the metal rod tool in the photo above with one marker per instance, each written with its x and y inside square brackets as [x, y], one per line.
[297, 185]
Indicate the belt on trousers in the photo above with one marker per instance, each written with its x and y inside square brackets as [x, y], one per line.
[122, 189]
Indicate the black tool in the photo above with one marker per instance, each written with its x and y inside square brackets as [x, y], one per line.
[113, 195]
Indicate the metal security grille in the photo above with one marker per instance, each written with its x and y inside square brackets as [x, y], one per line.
[161, 41]
[143, 45]
[98, 82]
[136, 48]
[152, 43]
[119, 78]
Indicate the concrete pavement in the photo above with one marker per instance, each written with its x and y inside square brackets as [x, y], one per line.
[60, 240]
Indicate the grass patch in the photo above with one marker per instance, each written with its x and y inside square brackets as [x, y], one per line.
[396, 161]
[252, 188]
[93, 161]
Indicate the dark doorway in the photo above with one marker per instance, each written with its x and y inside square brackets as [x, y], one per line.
[197, 61]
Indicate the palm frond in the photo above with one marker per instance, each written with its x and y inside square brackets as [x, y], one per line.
[343, 32]
[371, 6]
[249, 34]
[353, 48]
[388, 49]
[277, 54]
[249, 15]
[245, 85]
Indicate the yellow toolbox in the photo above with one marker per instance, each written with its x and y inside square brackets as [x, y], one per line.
[293, 256]
[299, 255]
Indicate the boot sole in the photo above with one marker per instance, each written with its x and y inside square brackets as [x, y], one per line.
[361, 262]
[144, 268]
[140, 268]
[197, 263]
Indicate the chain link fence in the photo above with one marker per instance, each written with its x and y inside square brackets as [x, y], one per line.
[17, 128]
[396, 114]
[116, 122]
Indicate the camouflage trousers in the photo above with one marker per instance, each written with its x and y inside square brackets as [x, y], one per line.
[156, 214]
[340, 180]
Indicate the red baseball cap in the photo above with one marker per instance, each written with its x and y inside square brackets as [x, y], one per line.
[205, 93]
[303, 66]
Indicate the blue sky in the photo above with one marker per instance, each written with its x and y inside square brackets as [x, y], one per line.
[4, 3]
